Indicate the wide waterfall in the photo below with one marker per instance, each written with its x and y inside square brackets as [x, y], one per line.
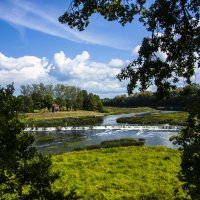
[106, 127]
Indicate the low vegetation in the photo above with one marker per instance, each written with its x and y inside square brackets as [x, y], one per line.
[62, 122]
[120, 173]
[179, 118]
[75, 118]
[115, 143]
[58, 115]
[117, 110]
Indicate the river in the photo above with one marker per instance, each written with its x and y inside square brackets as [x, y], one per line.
[51, 141]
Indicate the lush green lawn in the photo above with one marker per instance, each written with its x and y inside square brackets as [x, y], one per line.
[120, 173]
[167, 118]
[118, 110]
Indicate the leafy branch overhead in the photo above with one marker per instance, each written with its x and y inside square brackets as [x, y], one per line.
[80, 11]
[174, 30]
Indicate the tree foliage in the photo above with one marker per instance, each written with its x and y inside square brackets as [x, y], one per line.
[189, 140]
[24, 173]
[40, 96]
[175, 31]
[178, 99]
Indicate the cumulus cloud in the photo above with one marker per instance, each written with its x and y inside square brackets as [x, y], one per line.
[93, 76]
[80, 71]
[118, 63]
[26, 69]
[83, 69]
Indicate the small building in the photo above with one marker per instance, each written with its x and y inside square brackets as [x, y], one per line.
[55, 107]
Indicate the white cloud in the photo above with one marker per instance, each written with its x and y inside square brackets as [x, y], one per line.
[80, 71]
[96, 77]
[118, 63]
[82, 68]
[27, 69]
[136, 50]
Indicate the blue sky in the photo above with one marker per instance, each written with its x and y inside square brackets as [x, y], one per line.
[35, 48]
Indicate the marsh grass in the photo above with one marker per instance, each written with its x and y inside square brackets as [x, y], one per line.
[120, 173]
[115, 143]
[179, 118]
[59, 122]
[59, 115]
[117, 110]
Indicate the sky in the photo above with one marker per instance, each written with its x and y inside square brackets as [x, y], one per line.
[35, 47]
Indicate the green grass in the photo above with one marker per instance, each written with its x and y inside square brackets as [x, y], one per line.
[120, 173]
[37, 116]
[62, 122]
[115, 143]
[179, 118]
[117, 110]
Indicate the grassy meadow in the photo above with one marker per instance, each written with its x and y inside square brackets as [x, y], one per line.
[179, 118]
[60, 115]
[117, 110]
[120, 173]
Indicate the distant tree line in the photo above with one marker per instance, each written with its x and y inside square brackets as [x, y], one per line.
[41, 96]
[180, 98]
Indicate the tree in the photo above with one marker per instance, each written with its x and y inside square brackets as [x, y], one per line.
[24, 173]
[175, 31]
[189, 139]
[26, 103]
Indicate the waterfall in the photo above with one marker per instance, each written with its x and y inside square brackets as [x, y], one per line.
[107, 127]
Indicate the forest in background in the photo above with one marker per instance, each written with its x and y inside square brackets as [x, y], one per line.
[179, 99]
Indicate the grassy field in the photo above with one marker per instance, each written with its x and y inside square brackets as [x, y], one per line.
[60, 115]
[82, 113]
[120, 173]
[56, 119]
[118, 110]
[179, 118]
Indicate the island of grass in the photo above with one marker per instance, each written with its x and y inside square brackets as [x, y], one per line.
[115, 143]
[177, 118]
[120, 110]
[120, 173]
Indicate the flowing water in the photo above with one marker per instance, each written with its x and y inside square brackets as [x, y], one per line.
[53, 141]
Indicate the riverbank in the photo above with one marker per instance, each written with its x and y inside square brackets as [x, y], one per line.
[120, 173]
[118, 110]
[75, 118]
[177, 118]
